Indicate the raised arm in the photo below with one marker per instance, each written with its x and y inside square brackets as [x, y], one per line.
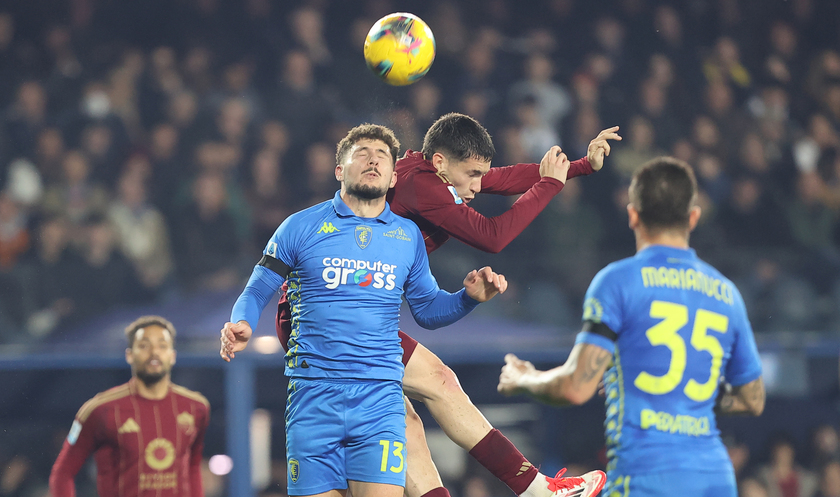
[513, 180]
[575, 382]
[744, 399]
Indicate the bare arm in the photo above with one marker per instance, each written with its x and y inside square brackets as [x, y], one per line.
[744, 399]
[575, 382]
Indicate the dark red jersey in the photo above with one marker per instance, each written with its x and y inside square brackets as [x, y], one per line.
[425, 197]
[142, 447]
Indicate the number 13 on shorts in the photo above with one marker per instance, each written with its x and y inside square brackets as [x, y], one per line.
[392, 453]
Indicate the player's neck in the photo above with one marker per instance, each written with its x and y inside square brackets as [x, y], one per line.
[363, 207]
[645, 239]
[155, 391]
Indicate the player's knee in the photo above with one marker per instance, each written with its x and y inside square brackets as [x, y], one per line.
[448, 386]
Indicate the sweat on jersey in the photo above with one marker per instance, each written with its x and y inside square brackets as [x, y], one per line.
[676, 327]
[346, 278]
[428, 199]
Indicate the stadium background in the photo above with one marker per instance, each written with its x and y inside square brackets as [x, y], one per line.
[149, 149]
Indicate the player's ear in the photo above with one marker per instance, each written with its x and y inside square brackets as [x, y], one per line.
[339, 172]
[129, 356]
[440, 162]
[174, 356]
[694, 217]
[632, 216]
[393, 179]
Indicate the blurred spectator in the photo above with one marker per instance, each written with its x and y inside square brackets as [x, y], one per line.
[268, 195]
[14, 232]
[299, 100]
[109, 278]
[76, 196]
[640, 148]
[205, 240]
[535, 134]
[782, 476]
[739, 454]
[753, 218]
[825, 446]
[49, 152]
[142, 234]
[724, 66]
[553, 103]
[752, 487]
[830, 480]
[25, 119]
[53, 279]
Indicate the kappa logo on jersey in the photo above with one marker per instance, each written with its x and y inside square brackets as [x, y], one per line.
[455, 194]
[328, 228]
[130, 426]
[399, 234]
[338, 271]
[363, 236]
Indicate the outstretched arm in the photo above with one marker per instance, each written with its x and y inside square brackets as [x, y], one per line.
[575, 382]
[513, 180]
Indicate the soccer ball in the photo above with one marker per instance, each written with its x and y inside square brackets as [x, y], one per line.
[400, 48]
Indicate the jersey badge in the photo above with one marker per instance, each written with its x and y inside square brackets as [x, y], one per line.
[592, 310]
[271, 250]
[186, 422]
[363, 236]
[398, 233]
[130, 426]
[294, 470]
[74, 432]
[328, 228]
[454, 193]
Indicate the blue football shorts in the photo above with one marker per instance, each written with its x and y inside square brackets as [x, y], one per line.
[671, 483]
[339, 430]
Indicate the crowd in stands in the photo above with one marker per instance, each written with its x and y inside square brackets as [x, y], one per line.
[149, 149]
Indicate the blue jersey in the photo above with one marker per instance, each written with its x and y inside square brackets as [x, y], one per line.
[681, 326]
[347, 276]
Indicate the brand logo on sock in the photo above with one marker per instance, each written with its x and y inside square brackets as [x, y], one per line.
[525, 467]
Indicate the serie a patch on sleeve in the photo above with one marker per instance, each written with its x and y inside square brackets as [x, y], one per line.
[455, 195]
[74, 432]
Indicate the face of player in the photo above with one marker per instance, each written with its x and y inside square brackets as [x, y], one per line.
[368, 170]
[152, 355]
[464, 175]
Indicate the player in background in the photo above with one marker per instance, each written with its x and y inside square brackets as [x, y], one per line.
[667, 328]
[146, 435]
[348, 262]
[433, 190]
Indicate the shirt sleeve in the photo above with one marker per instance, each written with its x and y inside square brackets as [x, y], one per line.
[265, 280]
[432, 307]
[602, 311]
[196, 484]
[79, 444]
[744, 365]
[513, 180]
[437, 203]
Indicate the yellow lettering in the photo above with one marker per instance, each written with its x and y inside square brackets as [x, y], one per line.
[662, 277]
[649, 276]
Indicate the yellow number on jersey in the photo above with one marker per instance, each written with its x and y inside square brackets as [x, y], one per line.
[674, 317]
[398, 451]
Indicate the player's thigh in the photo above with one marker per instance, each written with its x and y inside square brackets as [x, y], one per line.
[314, 434]
[367, 489]
[375, 448]
[671, 483]
[424, 373]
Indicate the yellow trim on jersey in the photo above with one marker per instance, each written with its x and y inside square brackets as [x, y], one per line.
[191, 394]
[113, 394]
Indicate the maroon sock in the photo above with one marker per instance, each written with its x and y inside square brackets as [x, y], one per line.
[437, 492]
[496, 453]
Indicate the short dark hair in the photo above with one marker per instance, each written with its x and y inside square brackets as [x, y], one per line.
[663, 191]
[370, 132]
[458, 137]
[143, 321]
